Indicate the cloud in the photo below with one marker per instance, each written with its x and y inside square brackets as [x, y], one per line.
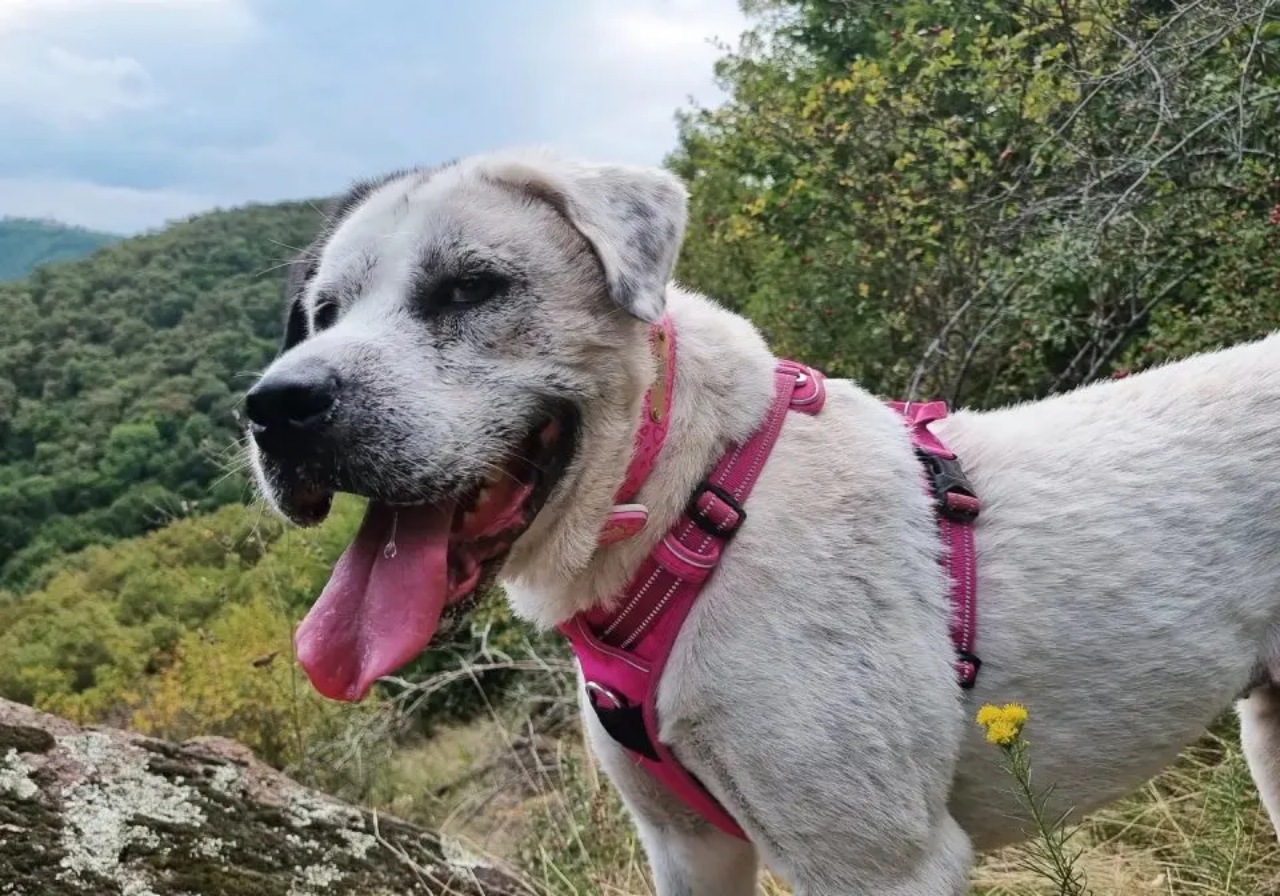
[64, 88]
[97, 206]
[75, 63]
[663, 30]
[637, 64]
[221, 17]
[141, 108]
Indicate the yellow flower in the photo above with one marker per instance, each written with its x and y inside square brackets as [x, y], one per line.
[1002, 732]
[989, 714]
[1016, 713]
[1003, 724]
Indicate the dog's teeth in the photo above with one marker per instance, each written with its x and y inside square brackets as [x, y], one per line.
[468, 518]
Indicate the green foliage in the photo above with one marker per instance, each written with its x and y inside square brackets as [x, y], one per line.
[120, 375]
[188, 631]
[25, 244]
[986, 201]
[112, 615]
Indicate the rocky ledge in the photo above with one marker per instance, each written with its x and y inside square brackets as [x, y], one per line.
[108, 812]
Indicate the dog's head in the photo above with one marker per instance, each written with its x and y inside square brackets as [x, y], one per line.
[452, 338]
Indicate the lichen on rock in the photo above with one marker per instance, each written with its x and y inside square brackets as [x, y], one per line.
[115, 814]
[15, 777]
[116, 806]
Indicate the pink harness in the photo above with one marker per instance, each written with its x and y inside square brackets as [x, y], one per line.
[622, 652]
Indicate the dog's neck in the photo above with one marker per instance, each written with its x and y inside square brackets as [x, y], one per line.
[722, 388]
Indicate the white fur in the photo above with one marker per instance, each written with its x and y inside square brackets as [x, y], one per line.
[1128, 583]
[1128, 588]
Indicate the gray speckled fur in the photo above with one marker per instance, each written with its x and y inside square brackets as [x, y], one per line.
[1129, 581]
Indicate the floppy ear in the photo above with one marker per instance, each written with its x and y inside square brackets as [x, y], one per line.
[634, 218]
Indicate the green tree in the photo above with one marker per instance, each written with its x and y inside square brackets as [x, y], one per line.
[990, 201]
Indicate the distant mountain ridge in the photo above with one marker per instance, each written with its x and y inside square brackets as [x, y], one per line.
[27, 243]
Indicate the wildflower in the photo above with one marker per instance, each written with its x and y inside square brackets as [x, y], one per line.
[989, 714]
[1003, 724]
[1047, 853]
[1016, 713]
[1002, 732]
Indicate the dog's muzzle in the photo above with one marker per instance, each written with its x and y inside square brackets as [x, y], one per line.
[287, 410]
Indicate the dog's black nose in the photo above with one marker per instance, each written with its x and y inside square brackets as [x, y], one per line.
[290, 404]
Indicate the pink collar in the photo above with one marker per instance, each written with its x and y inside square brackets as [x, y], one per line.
[627, 518]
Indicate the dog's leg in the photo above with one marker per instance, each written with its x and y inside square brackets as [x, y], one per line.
[941, 870]
[1260, 738]
[702, 863]
[688, 856]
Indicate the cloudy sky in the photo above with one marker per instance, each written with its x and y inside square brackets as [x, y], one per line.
[122, 114]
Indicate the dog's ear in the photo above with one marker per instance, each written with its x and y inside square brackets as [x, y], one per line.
[633, 217]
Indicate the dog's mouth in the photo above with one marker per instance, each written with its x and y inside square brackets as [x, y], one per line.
[410, 562]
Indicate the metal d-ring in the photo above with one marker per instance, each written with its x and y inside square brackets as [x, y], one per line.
[602, 691]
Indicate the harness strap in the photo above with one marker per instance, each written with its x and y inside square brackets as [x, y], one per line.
[685, 558]
[957, 507]
[622, 651]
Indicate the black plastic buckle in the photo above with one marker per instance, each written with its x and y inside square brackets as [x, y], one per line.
[967, 681]
[705, 523]
[946, 477]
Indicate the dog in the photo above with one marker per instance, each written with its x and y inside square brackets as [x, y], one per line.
[466, 347]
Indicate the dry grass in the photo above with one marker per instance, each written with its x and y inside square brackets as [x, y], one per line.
[518, 786]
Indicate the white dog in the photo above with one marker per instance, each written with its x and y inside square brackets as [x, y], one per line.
[467, 348]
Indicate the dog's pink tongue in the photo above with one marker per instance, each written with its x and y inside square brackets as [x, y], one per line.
[383, 602]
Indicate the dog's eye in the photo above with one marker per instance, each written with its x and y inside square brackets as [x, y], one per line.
[474, 289]
[325, 315]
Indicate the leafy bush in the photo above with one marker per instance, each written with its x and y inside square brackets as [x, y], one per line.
[987, 201]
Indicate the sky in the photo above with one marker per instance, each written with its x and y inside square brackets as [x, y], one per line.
[121, 115]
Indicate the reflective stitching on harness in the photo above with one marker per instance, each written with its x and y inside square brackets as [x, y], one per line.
[676, 548]
[632, 604]
[605, 648]
[653, 614]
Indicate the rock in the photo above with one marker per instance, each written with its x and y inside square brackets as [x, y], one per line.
[104, 812]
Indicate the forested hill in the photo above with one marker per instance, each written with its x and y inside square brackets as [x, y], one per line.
[119, 375]
[26, 243]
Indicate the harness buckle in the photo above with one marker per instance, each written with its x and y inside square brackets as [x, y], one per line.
[623, 721]
[952, 494]
[968, 665]
[713, 510]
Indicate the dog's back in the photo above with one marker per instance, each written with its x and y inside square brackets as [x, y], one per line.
[1129, 568]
